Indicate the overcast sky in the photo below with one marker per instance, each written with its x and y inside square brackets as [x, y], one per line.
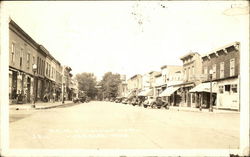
[128, 37]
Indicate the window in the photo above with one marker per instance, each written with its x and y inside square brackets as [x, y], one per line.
[205, 72]
[220, 89]
[193, 69]
[47, 68]
[34, 59]
[28, 60]
[234, 88]
[21, 58]
[232, 67]
[189, 72]
[13, 50]
[221, 69]
[214, 71]
[227, 88]
[185, 74]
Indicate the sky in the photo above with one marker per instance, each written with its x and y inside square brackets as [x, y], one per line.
[129, 37]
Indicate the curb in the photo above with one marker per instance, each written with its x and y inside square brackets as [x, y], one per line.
[203, 110]
[55, 106]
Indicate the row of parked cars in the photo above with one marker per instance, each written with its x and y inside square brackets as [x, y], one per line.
[145, 101]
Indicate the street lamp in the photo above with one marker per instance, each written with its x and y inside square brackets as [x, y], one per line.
[211, 103]
[63, 83]
[34, 68]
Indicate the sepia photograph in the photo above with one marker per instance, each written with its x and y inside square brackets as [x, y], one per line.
[124, 78]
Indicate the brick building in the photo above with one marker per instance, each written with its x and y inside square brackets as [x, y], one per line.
[23, 52]
[225, 65]
[25, 85]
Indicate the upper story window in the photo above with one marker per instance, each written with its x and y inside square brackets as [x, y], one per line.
[34, 59]
[205, 72]
[21, 58]
[193, 70]
[232, 67]
[13, 51]
[28, 60]
[214, 71]
[221, 69]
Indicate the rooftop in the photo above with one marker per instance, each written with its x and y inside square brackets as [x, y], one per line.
[188, 55]
[223, 48]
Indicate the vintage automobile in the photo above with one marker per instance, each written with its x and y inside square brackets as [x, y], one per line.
[141, 99]
[148, 101]
[118, 99]
[158, 103]
[124, 100]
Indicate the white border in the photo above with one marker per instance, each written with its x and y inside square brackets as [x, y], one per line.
[4, 116]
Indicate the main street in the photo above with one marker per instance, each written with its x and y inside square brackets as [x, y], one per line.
[108, 125]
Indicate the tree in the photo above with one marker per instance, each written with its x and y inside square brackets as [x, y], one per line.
[110, 84]
[87, 83]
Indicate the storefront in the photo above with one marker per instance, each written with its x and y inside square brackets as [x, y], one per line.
[228, 94]
[170, 95]
[202, 94]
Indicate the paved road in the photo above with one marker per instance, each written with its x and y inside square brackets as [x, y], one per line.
[107, 125]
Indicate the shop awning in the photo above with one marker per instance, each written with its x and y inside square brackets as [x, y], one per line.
[147, 92]
[204, 87]
[169, 91]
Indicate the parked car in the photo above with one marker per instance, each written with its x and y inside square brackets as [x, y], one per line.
[148, 101]
[159, 103]
[120, 99]
[124, 101]
[141, 100]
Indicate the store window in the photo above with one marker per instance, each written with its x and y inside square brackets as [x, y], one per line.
[227, 88]
[221, 89]
[193, 98]
[234, 88]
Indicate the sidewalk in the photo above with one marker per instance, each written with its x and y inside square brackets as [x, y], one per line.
[38, 105]
[192, 109]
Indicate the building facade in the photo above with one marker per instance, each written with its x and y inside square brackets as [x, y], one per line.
[27, 83]
[192, 74]
[135, 84]
[224, 63]
[23, 52]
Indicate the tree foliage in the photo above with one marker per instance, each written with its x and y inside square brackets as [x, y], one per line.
[87, 83]
[110, 84]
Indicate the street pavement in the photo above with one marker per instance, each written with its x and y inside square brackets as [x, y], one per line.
[108, 125]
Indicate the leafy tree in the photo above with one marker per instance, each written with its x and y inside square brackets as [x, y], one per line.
[110, 84]
[87, 83]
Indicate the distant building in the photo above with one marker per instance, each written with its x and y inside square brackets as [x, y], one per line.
[123, 88]
[134, 84]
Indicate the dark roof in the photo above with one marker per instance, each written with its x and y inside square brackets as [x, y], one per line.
[190, 54]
